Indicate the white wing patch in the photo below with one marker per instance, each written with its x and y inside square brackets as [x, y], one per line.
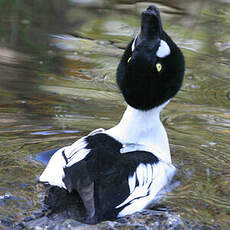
[132, 182]
[76, 152]
[151, 178]
[163, 49]
[65, 157]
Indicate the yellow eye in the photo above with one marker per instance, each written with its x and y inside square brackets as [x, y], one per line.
[158, 67]
[128, 60]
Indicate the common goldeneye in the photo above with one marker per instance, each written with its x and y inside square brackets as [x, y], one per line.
[122, 170]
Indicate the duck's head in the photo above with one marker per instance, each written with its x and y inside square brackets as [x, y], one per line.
[151, 69]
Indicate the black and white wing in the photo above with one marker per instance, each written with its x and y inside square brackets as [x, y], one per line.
[65, 157]
[145, 185]
[134, 181]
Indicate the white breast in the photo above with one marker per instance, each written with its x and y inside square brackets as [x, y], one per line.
[144, 131]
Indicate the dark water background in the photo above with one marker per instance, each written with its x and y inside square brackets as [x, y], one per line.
[57, 69]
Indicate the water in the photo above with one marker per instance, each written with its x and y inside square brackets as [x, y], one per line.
[56, 87]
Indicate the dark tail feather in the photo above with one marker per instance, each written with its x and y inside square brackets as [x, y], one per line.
[77, 178]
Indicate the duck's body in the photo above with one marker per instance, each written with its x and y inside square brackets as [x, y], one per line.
[124, 169]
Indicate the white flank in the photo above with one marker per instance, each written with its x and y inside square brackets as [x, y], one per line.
[155, 177]
[163, 50]
[54, 173]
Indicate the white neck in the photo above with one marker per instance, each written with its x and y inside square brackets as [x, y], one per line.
[143, 128]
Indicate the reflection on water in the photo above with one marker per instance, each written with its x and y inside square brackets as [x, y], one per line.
[57, 87]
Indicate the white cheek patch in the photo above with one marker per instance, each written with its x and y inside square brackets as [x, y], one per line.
[163, 50]
[133, 45]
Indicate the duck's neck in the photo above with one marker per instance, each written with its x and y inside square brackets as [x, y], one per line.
[143, 128]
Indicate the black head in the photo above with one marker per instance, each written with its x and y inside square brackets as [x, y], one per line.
[151, 69]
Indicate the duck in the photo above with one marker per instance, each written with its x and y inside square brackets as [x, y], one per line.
[124, 169]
